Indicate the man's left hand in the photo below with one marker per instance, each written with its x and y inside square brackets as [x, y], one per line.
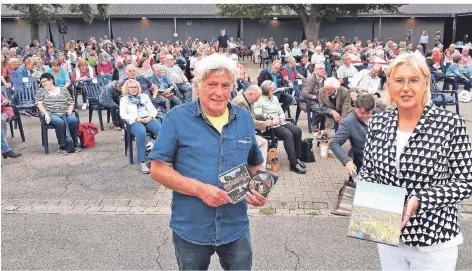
[255, 199]
[409, 210]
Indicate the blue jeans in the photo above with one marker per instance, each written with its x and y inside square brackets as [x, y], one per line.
[236, 255]
[114, 108]
[185, 92]
[139, 129]
[5, 146]
[60, 128]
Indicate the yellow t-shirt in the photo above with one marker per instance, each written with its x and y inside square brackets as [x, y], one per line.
[219, 122]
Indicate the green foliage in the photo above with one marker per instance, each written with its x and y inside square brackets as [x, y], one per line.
[48, 13]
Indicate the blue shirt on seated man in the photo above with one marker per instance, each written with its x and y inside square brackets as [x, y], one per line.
[197, 142]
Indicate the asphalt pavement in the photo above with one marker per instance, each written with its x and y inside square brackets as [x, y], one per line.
[138, 242]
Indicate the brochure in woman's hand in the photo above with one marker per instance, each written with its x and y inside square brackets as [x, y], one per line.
[237, 181]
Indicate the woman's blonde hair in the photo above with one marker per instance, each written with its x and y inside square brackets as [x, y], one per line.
[124, 89]
[418, 64]
[82, 62]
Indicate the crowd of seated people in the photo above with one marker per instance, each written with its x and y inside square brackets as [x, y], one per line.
[149, 78]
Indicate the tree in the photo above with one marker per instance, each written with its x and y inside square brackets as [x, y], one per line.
[310, 15]
[48, 13]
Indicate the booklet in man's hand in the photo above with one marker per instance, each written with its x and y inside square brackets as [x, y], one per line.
[377, 213]
[237, 181]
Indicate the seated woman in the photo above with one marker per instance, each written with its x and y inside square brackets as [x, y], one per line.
[53, 102]
[268, 105]
[64, 62]
[138, 110]
[457, 70]
[144, 68]
[104, 65]
[61, 76]
[83, 71]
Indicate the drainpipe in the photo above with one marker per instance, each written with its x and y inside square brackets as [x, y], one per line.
[454, 28]
[109, 28]
[241, 29]
[380, 29]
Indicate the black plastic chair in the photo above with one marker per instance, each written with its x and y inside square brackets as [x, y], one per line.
[92, 88]
[24, 98]
[129, 138]
[299, 98]
[272, 140]
[439, 98]
[103, 80]
[44, 130]
[15, 117]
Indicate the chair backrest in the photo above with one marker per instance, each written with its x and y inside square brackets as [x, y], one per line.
[104, 79]
[25, 94]
[92, 88]
[434, 84]
[4, 92]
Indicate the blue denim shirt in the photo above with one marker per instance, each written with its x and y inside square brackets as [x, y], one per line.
[189, 142]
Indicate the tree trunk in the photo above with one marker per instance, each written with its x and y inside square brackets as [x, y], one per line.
[34, 30]
[312, 28]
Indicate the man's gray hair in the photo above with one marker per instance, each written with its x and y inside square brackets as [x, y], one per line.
[365, 101]
[214, 63]
[158, 67]
[291, 59]
[332, 82]
[266, 86]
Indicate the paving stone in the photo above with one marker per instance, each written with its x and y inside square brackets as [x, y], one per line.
[92, 209]
[80, 202]
[136, 203]
[107, 208]
[137, 209]
[10, 208]
[150, 203]
[123, 209]
[305, 205]
[53, 202]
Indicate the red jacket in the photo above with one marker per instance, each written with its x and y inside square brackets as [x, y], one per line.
[105, 68]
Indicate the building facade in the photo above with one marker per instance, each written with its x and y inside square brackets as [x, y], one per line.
[160, 22]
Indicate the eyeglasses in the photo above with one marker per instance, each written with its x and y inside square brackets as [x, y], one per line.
[43, 81]
[368, 113]
[413, 83]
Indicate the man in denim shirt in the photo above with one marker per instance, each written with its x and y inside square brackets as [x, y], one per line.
[201, 140]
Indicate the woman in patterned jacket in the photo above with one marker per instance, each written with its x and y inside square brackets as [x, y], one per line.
[426, 150]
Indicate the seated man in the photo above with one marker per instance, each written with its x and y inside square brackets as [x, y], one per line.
[25, 70]
[467, 60]
[268, 105]
[165, 88]
[354, 128]
[457, 70]
[305, 68]
[310, 91]
[335, 100]
[246, 100]
[346, 71]
[273, 74]
[289, 71]
[176, 75]
[110, 98]
[367, 81]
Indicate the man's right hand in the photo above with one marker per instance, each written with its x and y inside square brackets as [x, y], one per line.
[213, 196]
[268, 123]
[351, 168]
[336, 116]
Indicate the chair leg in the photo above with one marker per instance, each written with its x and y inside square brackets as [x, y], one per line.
[90, 113]
[11, 128]
[297, 114]
[100, 119]
[108, 115]
[308, 117]
[46, 141]
[130, 149]
[20, 127]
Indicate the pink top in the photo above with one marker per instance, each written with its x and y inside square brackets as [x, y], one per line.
[8, 110]
[105, 68]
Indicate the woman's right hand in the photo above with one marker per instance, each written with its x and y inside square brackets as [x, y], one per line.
[47, 118]
[351, 168]
[139, 120]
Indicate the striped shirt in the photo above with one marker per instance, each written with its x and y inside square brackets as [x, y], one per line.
[55, 102]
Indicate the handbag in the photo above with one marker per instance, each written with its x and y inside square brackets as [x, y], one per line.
[70, 146]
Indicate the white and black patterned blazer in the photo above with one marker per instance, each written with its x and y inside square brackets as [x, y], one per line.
[436, 166]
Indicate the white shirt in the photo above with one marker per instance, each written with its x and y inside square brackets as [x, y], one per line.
[344, 71]
[402, 141]
[363, 79]
[317, 58]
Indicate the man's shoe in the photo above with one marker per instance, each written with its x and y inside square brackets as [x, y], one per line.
[301, 163]
[298, 169]
[11, 154]
[144, 168]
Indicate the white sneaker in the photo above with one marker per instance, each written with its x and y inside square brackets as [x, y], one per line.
[84, 106]
[144, 168]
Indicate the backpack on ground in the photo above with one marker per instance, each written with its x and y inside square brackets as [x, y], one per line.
[87, 132]
[307, 151]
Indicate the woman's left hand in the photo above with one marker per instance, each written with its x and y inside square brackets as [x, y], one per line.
[409, 210]
[255, 199]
